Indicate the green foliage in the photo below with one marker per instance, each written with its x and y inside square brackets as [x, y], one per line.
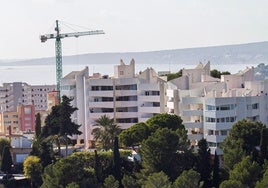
[246, 172]
[216, 171]
[46, 153]
[111, 182]
[134, 135]
[242, 139]
[106, 131]
[6, 163]
[231, 184]
[129, 182]
[172, 76]
[157, 180]
[3, 143]
[159, 150]
[188, 179]
[37, 125]
[217, 74]
[165, 120]
[264, 144]
[32, 169]
[73, 168]
[203, 161]
[264, 182]
[58, 124]
[73, 185]
[116, 158]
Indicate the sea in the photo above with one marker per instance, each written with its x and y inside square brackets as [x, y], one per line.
[46, 74]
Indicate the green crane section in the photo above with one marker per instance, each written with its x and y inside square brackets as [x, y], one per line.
[58, 36]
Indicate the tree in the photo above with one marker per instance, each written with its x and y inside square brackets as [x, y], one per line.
[106, 131]
[117, 166]
[203, 161]
[6, 163]
[246, 172]
[158, 152]
[32, 169]
[134, 135]
[263, 145]
[215, 73]
[37, 125]
[129, 182]
[264, 181]
[188, 179]
[165, 120]
[3, 143]
[231, 184]
[59, 125]
[216, 171]
[172, 76]
[73, 168]
[243, 138]
[157, 180]
[111, 182]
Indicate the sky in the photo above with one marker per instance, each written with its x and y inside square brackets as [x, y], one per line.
[129, 26]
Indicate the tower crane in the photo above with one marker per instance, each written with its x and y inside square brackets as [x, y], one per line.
[58, 36]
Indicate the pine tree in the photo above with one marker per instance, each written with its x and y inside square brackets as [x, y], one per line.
[6, 164]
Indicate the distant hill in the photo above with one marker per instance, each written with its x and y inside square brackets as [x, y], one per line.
[251, 53]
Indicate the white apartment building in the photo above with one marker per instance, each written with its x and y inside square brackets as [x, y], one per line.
[126, 97]
[209, 106]
[13, 94]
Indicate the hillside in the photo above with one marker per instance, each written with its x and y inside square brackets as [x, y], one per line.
[252, 53]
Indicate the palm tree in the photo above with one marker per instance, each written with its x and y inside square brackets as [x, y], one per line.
[106, 131]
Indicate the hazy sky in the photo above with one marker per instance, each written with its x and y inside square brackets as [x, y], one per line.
[137, 25]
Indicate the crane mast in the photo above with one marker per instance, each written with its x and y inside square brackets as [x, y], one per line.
[58, 48]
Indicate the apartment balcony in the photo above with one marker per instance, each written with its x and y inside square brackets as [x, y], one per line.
[217, 149]
[170, 105]
[218, 126]
[223, 113]
[125, 125]
[149, 109]
[198, 112]
[101, 104]
[143, 119]
[98, 115]
[149, 98]
[126, 103]
[215, 138]
[193, 125]
[126, 114]
[101, 93]
[197, 136]
[125, 93]
[192, 100]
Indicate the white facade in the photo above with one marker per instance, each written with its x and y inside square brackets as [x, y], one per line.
[127, 98]
[13, 94]
[209, 107]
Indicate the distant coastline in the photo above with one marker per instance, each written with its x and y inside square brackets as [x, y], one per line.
[230, 58]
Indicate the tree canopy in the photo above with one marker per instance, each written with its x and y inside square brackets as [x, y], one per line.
[105, 132]
[244, 136]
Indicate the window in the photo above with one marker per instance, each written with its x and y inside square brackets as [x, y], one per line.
[255, 106]
[121, 72]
